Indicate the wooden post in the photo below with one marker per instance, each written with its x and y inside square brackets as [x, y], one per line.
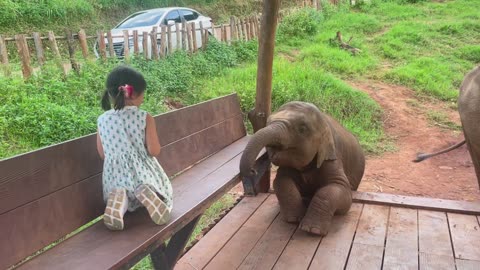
[258, 116]
[169, 34]
[39, 48]
[163, 41]
[153, 38]
[257, 23]
[238, 25]
[126, 45]
[222, 33]
[145, 45]
[247, 25]
[82, 37]
[22, 48]
[244, 30]
[232, 29]
[135, 42]
[101, 45]
[4, 56]
[179, 38]
[184, 35]
[252, 28]
[56, 52]
[71, 50]
[202, 36]
[206, 39]
[194, 36]
[111, 49]
[189, 37]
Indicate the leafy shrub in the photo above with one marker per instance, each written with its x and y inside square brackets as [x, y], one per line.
[246, 51]
[298, 24]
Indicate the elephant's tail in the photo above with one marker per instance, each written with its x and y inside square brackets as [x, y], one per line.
[422, 156]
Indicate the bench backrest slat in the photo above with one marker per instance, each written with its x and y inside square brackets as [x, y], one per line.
[50, 192]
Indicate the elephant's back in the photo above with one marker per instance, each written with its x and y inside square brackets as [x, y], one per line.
[469, 97]
[349, 150]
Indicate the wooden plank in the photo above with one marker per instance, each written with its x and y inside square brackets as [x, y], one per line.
[435, 262]
[71, 50]
[39, 48]
[22, 49]
[193, 27]
[467, 265]
[269, 248]
[233, 31]
[102, 46]
[363, 257]
[178, 36]
[435, 248]
[239, 246]
[401, 249]
[111, 49]
[333, 251]
[153, 38]
[188, 32]
[162, 41]
[145, 44]
[422, 203]
[169, 37]
[367, 249]
[202, 36]
[434, 236]
[4, 57]
[82, 37]
[202, 252]
[126, 45]
[465, 236]
[192, 119]
[372, 227]
[299, 251]
[136, 48]
[184, 35]
[98, 248]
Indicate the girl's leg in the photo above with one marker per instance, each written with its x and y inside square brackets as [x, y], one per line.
[157, 209]
[117, 205]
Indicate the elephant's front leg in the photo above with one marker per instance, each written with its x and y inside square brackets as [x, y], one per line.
[292, 208]
[327, 201]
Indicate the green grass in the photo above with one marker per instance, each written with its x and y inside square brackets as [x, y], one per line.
[441, 120]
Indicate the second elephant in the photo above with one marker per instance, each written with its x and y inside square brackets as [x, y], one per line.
[319, 161]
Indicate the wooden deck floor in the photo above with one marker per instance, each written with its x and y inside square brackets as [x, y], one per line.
[373, 235]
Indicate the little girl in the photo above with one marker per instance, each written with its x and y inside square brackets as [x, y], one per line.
[127, 141]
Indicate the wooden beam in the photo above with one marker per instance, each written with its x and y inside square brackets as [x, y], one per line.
[462, 207]
[39, 48]
[22, 49]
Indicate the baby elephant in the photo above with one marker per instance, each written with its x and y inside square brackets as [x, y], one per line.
[319, 162]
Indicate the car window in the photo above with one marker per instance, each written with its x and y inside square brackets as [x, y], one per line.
[140, 19]
[189, 15]
[174, 16]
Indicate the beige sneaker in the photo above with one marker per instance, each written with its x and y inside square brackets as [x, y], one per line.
[117, 205]
[157, 209]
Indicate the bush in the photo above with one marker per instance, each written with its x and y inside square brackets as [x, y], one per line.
[299, 24]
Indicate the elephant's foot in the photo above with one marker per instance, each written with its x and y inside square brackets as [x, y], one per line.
[316, 226]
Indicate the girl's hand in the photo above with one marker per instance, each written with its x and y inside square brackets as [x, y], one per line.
[151, 137]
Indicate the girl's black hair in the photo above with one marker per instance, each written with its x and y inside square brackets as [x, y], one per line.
[121, 76]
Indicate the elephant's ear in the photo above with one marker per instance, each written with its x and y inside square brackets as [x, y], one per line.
[326, 148]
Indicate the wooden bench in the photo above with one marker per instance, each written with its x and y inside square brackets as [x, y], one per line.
[49, 193]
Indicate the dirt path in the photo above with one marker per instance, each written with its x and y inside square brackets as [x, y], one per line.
[449, 176]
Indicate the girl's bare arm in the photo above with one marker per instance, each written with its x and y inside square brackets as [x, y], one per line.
[151, 137]
[100, 147]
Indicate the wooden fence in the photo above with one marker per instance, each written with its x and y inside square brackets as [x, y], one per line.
[152, 45]
[34, 51]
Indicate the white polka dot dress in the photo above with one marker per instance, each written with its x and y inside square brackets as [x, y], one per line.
[127, 163]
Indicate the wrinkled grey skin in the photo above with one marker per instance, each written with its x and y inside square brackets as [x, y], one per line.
[319, 161]
[469, 110]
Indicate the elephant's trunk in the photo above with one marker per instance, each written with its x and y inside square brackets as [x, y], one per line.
[269, 135]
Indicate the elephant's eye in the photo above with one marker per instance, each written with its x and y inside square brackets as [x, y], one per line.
[303, 129]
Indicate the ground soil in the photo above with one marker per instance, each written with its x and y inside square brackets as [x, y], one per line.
[448, 176]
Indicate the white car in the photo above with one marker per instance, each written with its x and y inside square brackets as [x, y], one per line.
[144, 21]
